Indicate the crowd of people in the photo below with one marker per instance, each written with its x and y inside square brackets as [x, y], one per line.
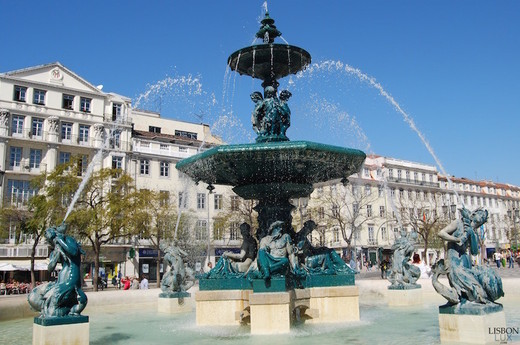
[506, 258]
[13, 287]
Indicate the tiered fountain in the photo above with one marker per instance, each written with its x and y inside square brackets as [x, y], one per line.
[289, 279]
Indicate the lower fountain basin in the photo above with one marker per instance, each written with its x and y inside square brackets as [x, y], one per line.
[297, 164]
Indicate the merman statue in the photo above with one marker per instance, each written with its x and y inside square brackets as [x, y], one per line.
[318, 260]
[63, 297]
[178, 278]
[235, 265]
[403, 274]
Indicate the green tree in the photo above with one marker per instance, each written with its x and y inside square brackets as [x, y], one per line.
[105, 211]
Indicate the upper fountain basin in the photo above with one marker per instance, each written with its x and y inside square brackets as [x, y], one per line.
[269, 61]
[275, 163]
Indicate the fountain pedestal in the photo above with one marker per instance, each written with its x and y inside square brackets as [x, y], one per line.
[334, 304]
[468, 328]
[270, 312]
[174, 303]
[61, 331]
[221, 307]
[404, 297]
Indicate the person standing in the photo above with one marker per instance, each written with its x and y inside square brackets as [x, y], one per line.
[144, 284]
[497, 257]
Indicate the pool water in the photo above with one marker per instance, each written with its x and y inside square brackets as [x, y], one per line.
[379, 324]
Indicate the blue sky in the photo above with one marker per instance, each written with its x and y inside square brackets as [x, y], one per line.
[452, 66]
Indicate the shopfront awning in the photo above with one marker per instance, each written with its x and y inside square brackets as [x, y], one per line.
[24, 265]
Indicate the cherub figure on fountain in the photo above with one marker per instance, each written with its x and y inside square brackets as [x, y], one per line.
[179, 277]
[233, 265]
[472, 288]
[318, 260]
[403, 274]
[271, 117]
[63, 297]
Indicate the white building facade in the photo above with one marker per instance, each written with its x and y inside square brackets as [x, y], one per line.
[49, 114]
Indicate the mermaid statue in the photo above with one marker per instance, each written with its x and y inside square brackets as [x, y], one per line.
[473, 289]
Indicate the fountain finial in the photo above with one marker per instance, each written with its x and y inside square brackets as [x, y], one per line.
[268, 31]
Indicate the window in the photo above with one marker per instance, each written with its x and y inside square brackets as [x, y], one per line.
[145, 167]
[164, 147]
[39, 97]
[35, 158]
[335, 211]
[183, 149]
[368, 189]
[235, 203]
[66, 131]
[154, 129]
[184, 134]
[164, 198]
[201, 201]
[117, 162]
[15, 157]
[218, 231]
[201, 230]
[369, 210]
[164, 169]
[84, 104]
[234, 231]
[115, 140]
[83, 134]
[68, 102]
[335, 235]
[384, 235]
[218, 201]
[116, 111]
[17, 124]
[381, 211]
[37, 127]
[407, 174]
[366, 172]
[183, 200]
[399, 173]
[64, 157]
[82, 165]
[19, 192]
[390, 173]
[380, 191]
[355, 208]
[371, 234]
[19, 93]
[321, 213]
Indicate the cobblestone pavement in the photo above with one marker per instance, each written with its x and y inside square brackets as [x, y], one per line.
[503, 272]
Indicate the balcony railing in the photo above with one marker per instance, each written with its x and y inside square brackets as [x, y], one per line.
[413, 182]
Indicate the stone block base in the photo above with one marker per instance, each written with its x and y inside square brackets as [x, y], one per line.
[404, 298]
[270, 313]
[221, 307]
[67, 334]
[472, 329]
[174, 305]
[334, 304]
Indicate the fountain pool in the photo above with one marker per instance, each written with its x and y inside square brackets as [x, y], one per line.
[379, 324]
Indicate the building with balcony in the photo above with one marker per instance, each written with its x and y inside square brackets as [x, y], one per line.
[49, 114]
